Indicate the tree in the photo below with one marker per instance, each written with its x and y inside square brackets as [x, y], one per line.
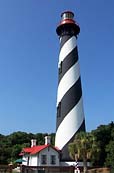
[110, 152]
[19, 138]
[103, 135]
[16, 149]
[83, 147]
[110, 155]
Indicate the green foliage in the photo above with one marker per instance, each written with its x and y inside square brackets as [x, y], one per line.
[110, 152]
[110, 155]
[11, 145]
[84, 147]
[15, 151]
[104, 135]
[101, 150]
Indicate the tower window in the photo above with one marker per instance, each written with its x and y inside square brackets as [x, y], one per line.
[60, 68]
[59, 110]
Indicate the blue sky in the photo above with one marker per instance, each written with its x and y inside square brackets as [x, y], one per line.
[29, 49]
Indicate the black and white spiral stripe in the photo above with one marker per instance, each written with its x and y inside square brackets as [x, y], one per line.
[70, 114]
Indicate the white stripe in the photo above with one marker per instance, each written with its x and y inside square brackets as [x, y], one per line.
[68, 80]
[67, 48]
[70, 125]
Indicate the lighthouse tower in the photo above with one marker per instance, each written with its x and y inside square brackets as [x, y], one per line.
[70, 115]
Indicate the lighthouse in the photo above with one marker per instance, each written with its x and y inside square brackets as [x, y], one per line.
[70, 115]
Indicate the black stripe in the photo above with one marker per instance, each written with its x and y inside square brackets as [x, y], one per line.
[68, 62]
[64, 39]
[69, 100]
[65, 152]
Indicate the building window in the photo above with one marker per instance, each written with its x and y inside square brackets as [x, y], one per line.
[59, 110]
[28, 161]
[53, 160]
[43, 159]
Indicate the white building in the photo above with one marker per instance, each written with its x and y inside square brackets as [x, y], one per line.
[41, 155]
[44, 155]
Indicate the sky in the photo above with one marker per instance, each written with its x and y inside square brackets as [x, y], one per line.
[29, 51]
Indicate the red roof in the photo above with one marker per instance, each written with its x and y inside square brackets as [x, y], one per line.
[37, 149]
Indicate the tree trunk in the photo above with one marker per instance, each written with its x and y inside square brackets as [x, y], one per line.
[85, 165]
